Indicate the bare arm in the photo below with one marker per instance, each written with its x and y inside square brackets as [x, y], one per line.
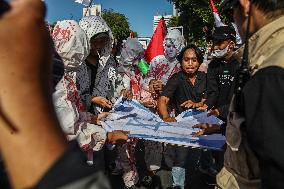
[25, 96]
[163, 109]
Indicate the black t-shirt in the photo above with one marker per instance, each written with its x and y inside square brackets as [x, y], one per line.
[179, 89]
[221, 83]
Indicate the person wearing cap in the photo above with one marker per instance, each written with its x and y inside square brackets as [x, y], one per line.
[254, 132]
[220, 85]
[222, 71]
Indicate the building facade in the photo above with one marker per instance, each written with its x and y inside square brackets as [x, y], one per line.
[94, 10]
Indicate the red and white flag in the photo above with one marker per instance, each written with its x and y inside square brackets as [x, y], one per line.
[218, 22]
[217, 19]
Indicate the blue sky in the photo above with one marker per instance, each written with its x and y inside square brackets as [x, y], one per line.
[140, 13]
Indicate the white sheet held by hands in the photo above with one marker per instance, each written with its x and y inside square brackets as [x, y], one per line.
[141, 123]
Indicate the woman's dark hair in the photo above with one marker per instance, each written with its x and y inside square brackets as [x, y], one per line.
[198, 53]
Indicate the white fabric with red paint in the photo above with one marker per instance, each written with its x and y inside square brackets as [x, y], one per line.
[132, 79]
[72, 45]
[162, 69]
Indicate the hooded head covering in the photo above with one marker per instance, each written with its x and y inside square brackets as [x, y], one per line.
[174, 37]
[131, 76]
[131, 51]
[71, 43]
[106, 70]
[95, 25]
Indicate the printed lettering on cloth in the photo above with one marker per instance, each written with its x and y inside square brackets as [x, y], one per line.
[141, 123]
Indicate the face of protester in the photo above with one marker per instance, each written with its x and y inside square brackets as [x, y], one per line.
[190, 62]
[222, 48]
[170, 49]
[98, 44]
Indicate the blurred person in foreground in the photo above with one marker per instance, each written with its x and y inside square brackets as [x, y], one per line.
[31, 125]
[255, 129]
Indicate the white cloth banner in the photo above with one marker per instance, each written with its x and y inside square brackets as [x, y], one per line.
[141, 123]
[84, 2]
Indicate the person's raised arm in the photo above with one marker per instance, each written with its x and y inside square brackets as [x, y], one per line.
[30, 136]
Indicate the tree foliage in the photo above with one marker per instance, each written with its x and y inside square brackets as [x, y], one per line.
[174, 22]
[194, 16]
[118, 24]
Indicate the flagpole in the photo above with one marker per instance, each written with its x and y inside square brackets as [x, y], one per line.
[88, 8]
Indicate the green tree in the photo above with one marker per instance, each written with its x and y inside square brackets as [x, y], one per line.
[118, 24]
[174, 22]
[194, 15]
